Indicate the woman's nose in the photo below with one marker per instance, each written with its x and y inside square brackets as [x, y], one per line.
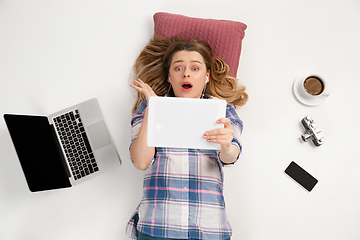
[186, 73]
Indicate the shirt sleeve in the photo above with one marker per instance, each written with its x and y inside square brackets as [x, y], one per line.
[237, 125]
[137, 120]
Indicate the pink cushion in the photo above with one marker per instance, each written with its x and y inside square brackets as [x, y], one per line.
[224, 36]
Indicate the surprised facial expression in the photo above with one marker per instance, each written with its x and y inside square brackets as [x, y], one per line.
[188, 74]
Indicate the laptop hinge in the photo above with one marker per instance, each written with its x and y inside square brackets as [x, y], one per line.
[62, 157]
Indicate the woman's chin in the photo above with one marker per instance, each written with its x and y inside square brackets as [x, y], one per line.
[187, 95]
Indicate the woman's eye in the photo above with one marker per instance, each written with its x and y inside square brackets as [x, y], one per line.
[195, 68]
[178, 68]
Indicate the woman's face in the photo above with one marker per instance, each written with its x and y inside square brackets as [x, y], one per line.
[188, 74]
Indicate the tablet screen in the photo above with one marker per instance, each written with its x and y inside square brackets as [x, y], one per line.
[181, 122]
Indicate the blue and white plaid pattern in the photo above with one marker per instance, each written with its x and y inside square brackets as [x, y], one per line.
[183, 190]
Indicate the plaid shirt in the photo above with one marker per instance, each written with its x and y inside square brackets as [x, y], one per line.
[183, 190]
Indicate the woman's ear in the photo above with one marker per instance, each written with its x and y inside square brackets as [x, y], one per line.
[207, 76]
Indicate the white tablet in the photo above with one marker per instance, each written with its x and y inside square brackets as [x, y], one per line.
[182, 122]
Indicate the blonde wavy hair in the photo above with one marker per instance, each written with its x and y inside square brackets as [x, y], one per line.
[152, 67]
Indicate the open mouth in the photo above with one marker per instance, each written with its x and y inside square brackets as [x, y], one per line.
[186, 86]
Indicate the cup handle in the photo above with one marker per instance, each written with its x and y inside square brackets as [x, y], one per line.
[326, 94]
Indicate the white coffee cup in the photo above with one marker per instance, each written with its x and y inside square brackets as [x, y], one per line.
[312, 86]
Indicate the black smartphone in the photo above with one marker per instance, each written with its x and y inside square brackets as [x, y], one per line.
[301, 176]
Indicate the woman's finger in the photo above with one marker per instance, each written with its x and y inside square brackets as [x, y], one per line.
[227, 130]
[225, 121]
[219, 132]
[221, 136]
[144, 88]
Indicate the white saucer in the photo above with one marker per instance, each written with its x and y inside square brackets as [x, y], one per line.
[305, 100]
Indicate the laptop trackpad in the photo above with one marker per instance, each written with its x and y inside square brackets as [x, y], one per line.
[98, 135]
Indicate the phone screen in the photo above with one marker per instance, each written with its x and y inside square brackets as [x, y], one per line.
[301, 176]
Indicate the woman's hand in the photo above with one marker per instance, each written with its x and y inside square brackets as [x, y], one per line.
[224, 136]
[144, 88]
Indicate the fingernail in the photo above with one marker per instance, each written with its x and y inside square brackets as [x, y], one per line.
[217, 121]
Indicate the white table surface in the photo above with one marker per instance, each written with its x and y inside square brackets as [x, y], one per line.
[47, 45]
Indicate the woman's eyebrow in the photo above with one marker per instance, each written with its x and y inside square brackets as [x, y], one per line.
[179, 61]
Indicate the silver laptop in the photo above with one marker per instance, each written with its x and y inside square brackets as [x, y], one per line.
[182, 122]
[64, 149]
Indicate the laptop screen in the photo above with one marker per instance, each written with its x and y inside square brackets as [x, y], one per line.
[38, 151]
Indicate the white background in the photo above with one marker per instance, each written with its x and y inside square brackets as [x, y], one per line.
[48, 45]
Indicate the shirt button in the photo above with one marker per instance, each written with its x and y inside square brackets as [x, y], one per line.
[185, 188]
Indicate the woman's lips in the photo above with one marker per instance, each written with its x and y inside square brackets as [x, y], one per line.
[186, 86]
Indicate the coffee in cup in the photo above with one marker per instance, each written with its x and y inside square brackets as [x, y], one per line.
[310, 88]
[314, 85]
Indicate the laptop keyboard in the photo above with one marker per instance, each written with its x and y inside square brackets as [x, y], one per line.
[75, 144]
